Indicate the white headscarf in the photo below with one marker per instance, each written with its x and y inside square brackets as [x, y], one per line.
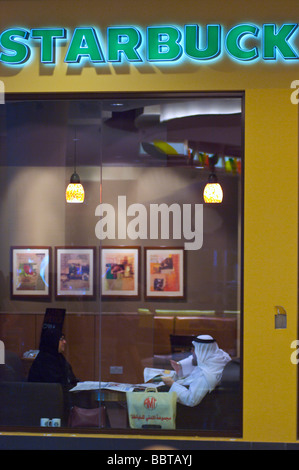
[211, 359]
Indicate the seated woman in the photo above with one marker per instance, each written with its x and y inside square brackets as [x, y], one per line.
[199, 373]
[50, 364]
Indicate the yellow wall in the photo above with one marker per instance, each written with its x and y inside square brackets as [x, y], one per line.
[271, 179]
[270, 264]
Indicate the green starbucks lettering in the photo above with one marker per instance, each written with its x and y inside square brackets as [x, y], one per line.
[164, 44]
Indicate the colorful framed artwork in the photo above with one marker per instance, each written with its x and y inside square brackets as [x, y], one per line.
[30, 272]
[120, 272]
[75, 272]
[164, 273]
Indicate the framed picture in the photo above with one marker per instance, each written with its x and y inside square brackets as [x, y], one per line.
[75, 272]
[164, 273]
[30, 272]
[120, 272]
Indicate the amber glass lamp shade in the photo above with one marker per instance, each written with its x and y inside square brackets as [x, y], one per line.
[213, 192]
[74, 192]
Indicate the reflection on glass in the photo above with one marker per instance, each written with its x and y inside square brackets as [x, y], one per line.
[144, 177]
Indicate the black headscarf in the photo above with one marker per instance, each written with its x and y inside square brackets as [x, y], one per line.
[52, 330]
[49, 340]
[50, 365]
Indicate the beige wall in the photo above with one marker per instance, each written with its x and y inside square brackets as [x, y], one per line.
[33, 205]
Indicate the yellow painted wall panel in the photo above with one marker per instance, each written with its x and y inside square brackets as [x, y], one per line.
[270, 264]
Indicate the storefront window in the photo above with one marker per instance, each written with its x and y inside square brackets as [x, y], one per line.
[102, 298]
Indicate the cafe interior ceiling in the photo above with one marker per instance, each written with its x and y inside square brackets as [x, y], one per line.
[116, 132]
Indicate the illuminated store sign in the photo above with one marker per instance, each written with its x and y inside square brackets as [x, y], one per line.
[159, 44]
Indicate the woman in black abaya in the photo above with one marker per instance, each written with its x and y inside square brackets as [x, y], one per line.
[50, 364]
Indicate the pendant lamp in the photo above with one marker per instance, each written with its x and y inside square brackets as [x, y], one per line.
[75, 192]
[213, 191]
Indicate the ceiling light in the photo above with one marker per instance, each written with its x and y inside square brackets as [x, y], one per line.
[213, 192]
[74, 192]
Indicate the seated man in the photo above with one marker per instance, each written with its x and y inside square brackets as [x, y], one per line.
[199, 373]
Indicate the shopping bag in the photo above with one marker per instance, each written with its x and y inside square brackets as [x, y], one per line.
[151, 409]
[87, 417]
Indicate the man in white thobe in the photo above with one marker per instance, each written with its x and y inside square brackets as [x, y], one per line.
[199, 373]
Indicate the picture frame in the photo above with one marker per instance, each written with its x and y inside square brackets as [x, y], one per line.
[120, 272]
[30, 272]
[164, 273]
[75, 272]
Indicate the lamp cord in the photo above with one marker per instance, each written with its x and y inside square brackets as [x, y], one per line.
[75, 151]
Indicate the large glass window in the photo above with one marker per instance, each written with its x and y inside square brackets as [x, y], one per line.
[104, 298]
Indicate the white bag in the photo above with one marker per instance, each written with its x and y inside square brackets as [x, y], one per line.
[151, 409]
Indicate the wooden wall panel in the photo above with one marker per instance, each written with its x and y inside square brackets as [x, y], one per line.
[224, 330]
[163, 328]
[115, 346]
[17, 331]
[79, 330]
[126, 342]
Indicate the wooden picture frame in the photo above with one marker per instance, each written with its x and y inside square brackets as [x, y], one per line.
[75, 272]
[164, 273]
[120, 272]
[30, 272]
